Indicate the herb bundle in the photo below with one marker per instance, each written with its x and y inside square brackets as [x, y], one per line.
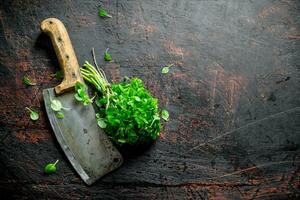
[128, 113]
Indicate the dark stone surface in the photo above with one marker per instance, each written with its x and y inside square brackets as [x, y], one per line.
[233, 97]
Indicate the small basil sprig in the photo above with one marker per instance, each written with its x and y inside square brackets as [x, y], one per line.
[165, 115]
[103, 13]
[57, 107]
[166, 69]
[107, 56]
[26, 80]
[82, 94]
[33, 115]
[50, 167]
[60, 115]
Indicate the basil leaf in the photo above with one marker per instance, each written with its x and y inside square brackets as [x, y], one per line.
[101, 123]
[60, 115]
[56, 105]
[50, 167]
[107, 56]
[33, 115]
[165, 115]
[165, 70]
[103, 13]
[27, 81]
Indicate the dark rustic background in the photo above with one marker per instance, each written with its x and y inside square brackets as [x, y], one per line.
[233, 97]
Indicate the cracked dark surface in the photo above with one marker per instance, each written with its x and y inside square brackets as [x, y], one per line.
[233, 97]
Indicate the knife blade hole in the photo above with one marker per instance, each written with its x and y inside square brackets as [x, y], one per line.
[50, 22]
[59, 39]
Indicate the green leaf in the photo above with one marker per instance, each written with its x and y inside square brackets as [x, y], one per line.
[98, 102]
[102, 123]
[79, 85]
[82, 94]
[121, 140]
[27, 81]
[77, 97]
[107, 56]
[50, 167]
[137, 98]
[166, 69]
[33, 115]
[97, 115]
[60, 115]
[165, 115]
[59, 74]
[56, 105]
[103, 13]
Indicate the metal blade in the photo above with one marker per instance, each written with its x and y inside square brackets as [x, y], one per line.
[85, 144]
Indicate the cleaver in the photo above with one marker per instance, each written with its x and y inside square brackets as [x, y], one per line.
[88, 149]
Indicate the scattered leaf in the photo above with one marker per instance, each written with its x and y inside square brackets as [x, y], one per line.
[50, 168]
[56, 105]
[107, 56]
[166, 69]
[165, 115]
[60, 115]
[103, 13]
[33, 115]
[27, 81]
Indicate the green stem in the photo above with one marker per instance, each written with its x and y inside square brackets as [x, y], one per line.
[29, 109]
[107, 95]
[98, 79]
[95, 72]
[56, 162]
[90, 79]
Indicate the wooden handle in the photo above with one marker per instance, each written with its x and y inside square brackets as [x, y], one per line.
[64, 52]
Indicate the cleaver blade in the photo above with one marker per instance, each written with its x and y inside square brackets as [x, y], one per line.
[86, 146]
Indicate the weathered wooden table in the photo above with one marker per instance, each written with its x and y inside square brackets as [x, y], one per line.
[233, 97]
